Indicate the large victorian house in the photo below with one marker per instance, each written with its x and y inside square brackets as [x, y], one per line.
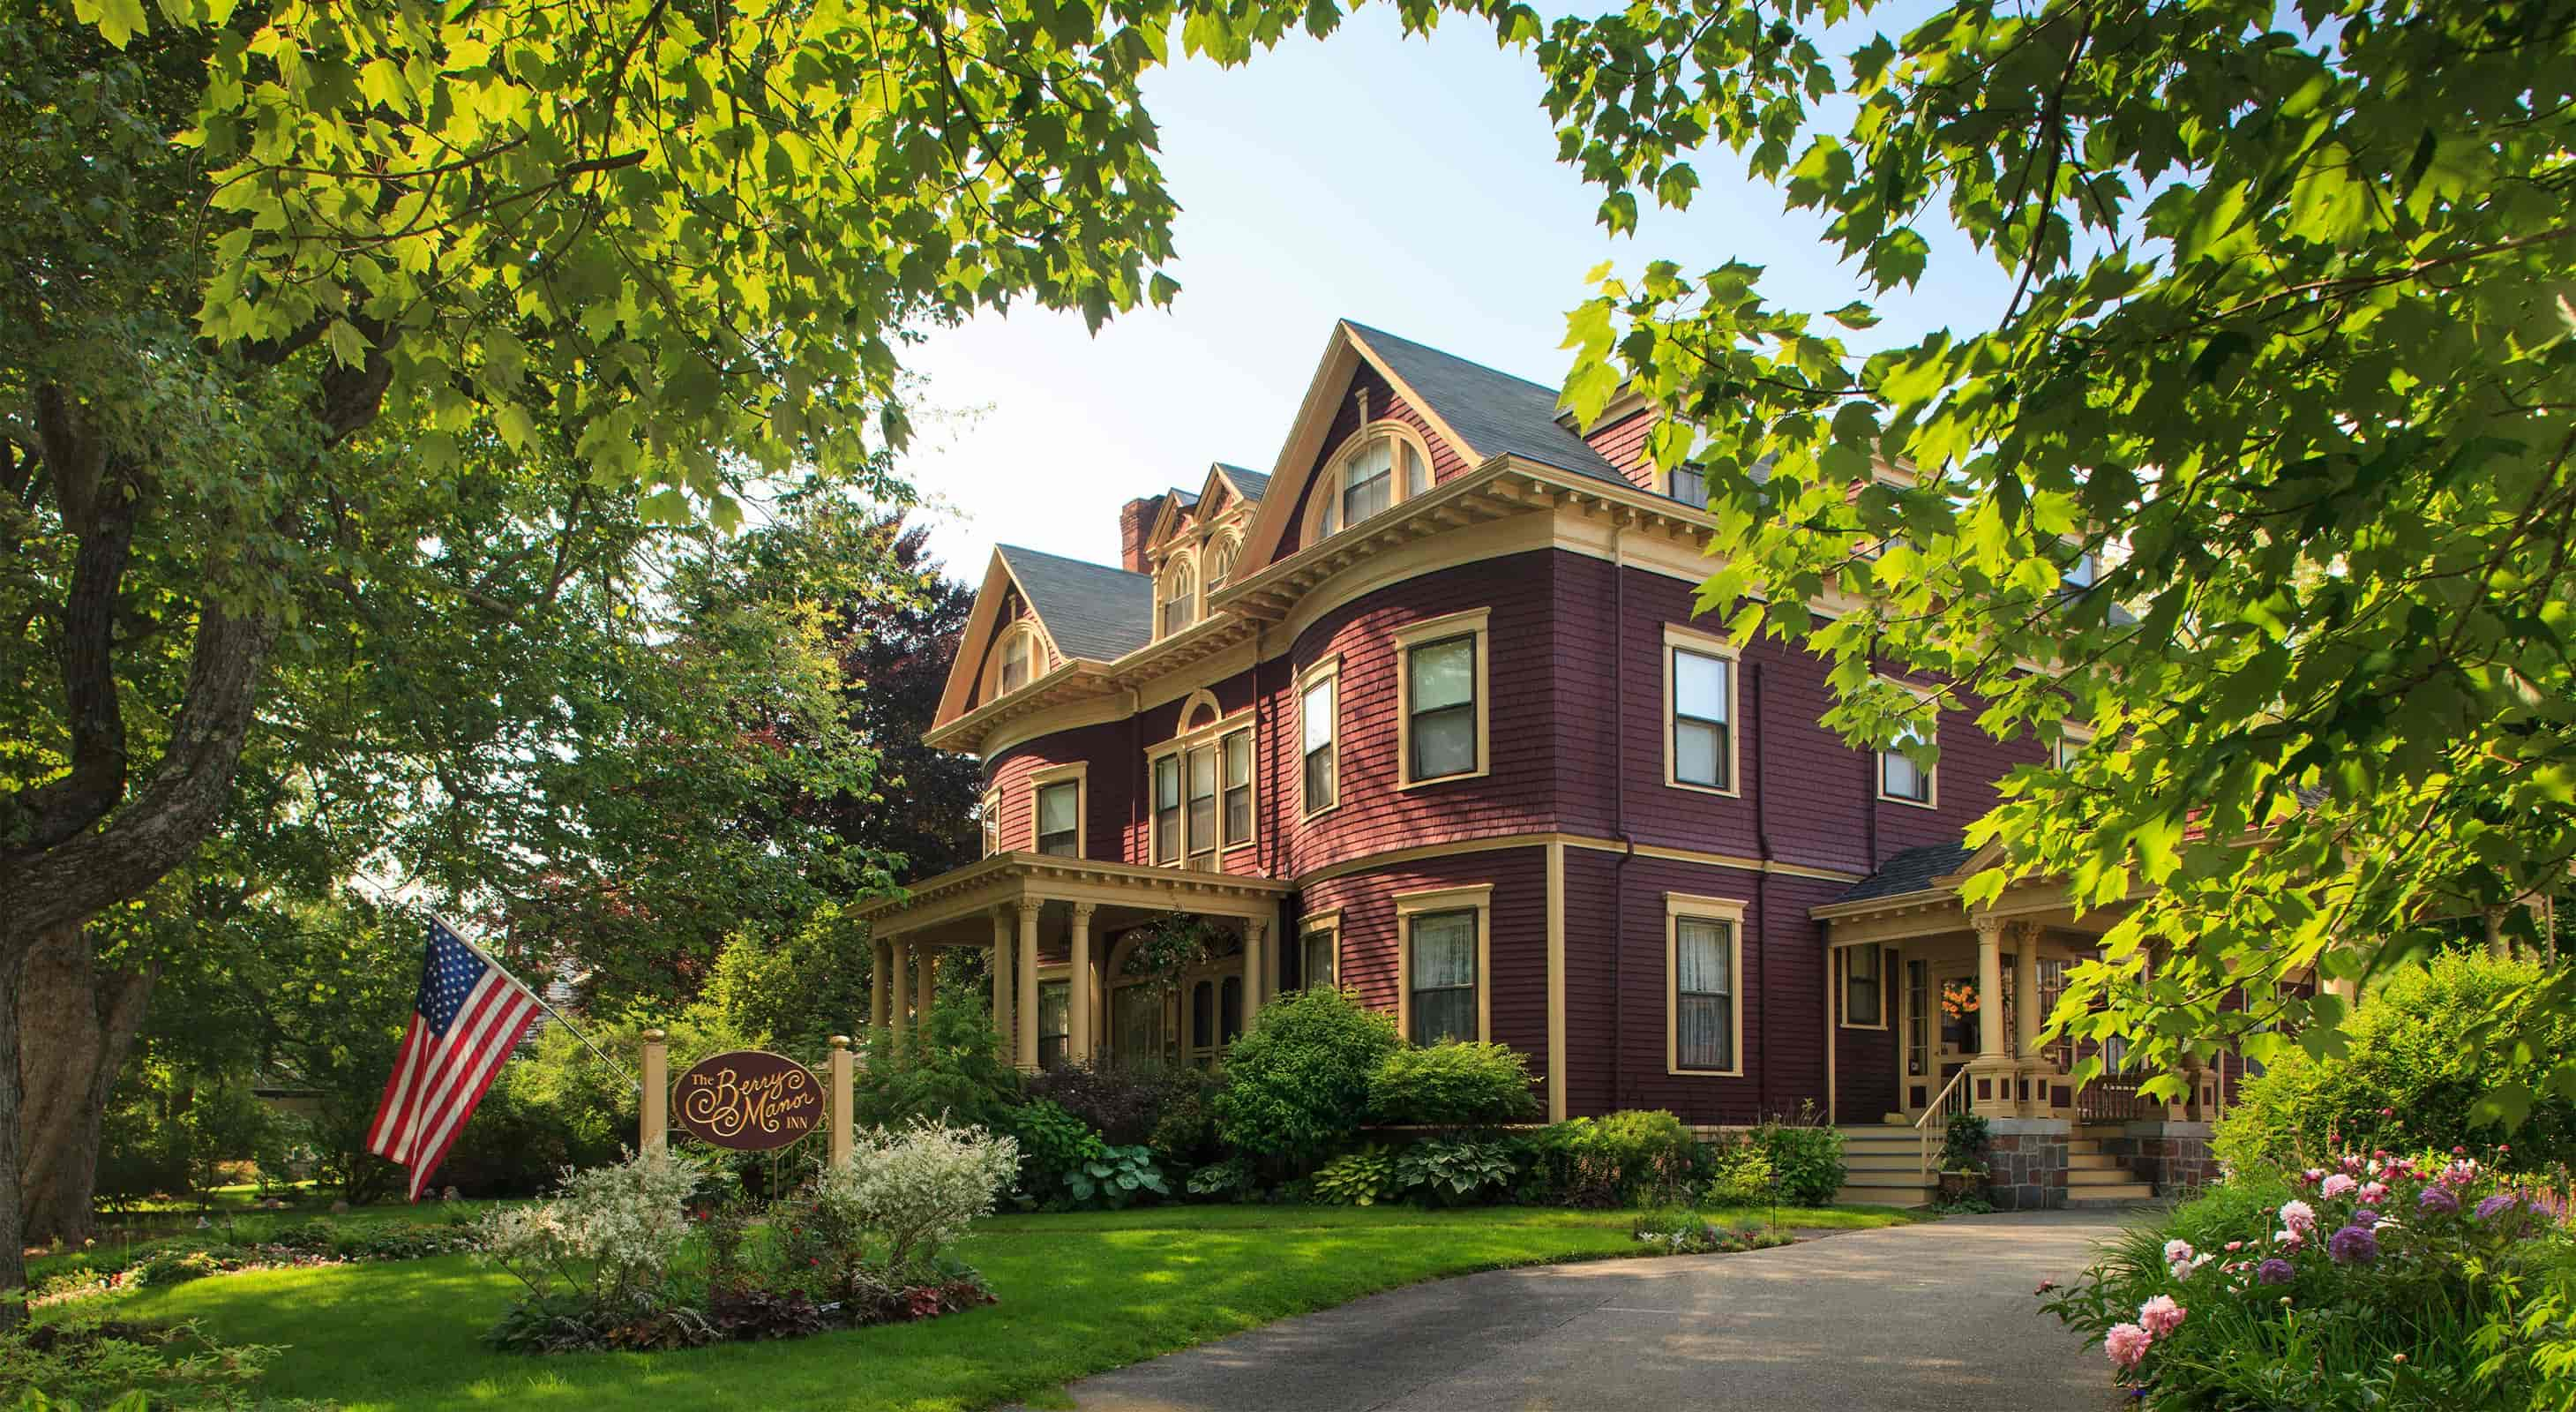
[1424, 711]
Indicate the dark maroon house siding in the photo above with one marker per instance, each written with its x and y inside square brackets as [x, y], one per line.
[1384, 403]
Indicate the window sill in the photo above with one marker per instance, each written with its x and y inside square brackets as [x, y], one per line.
[1703, 789]
[1309, 818]
[1932, 804]
[1848, 1025]
[1239, 846]
[1438, 780]
[1681, 1073]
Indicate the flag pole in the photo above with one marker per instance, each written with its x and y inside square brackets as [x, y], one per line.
[533, 994]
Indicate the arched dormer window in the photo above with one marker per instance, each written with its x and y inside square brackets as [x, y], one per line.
[1179, 600]
[1018, 658]
[1382, 464]
[1221, 562]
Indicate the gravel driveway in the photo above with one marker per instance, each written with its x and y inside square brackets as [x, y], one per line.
[1907, 1319]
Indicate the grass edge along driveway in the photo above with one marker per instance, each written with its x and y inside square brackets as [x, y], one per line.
[1080, 1294]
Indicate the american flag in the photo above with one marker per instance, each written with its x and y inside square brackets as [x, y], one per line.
[469, 1015]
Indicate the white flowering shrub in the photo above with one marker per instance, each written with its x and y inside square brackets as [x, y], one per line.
[612, 1233]
[917, 1188]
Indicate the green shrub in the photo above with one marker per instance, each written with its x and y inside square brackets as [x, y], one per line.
[1452, 1084]
[1963, 1143]
[1054, 1144]
[1806, 1158]
[91, 1360]
[1362, 1178]
[1635, 1157]
[1739, 1172]
[2406, 1060]
[1115, 1178]
[1126, 1103]
[172, 1267]
[1456, 1171]
[1231, 1179]
[958, 1075]
[1297, 1084]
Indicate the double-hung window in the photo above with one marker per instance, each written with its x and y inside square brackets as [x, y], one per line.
[1444, 976]
[1690, 486]
[1368, 482]
[1381, 464]
[1060, 819]
[1702, 683]
[1316, 966]
[1202, 822]
[1864, 997]
[1180, 599]
[1055, 1022]
[1899, 776]
[1703, 971]
[1318, 729]
[992, 812]
[1443, 665]
[1238, 787]
[1167, 809]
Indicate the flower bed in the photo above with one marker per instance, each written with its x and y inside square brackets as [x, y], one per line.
[633, 1256]
[316, 1242]
[2384, 1282]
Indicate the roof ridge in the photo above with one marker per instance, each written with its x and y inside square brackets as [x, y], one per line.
[1375, 332]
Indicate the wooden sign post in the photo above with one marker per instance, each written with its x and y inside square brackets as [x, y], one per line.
[748, 1100]
[657, 1093]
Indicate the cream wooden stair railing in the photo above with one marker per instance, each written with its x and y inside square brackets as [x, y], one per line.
[1952, 1102]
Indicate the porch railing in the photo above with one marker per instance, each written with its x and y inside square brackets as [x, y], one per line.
[2115, 1098]
[1951, 1102]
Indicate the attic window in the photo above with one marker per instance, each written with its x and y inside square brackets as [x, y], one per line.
[1382, 464]
[1221, 564]
[1017, 660]
[1180, 604]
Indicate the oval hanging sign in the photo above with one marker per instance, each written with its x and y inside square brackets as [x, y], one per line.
[748, 1100]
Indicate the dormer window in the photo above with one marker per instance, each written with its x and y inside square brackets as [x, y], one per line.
[1015, 662]
[1221, 564]
[1383, 464]
[1180, 603]
[1017, 659]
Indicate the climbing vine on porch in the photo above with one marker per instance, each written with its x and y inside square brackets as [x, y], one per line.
[1169, 948]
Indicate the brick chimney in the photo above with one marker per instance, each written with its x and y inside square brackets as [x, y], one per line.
[1135, 521]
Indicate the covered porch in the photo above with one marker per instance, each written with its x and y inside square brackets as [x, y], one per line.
[1059, 932]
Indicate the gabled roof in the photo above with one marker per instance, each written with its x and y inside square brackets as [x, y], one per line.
[1497, 414]
[1910, 871]
[1251, 485]
[1092, 611]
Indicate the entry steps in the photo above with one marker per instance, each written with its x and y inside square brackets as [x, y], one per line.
[1884, 1167]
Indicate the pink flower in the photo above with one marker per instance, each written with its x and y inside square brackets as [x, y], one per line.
[2373, 1193]
[2161, 1316]
[2177, 1251]
[2235, 1245]
[2313, 1175]
[2335, 1186]
[2299, 1216]
[2127, 1343]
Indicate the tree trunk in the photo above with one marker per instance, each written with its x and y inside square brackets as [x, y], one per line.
[13, 1240]
[76, 1024]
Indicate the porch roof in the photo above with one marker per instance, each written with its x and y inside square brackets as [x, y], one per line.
[1915, 893]
[949, 907]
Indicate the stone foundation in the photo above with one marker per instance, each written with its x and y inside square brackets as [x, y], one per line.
[2028, 1157]
[2169, 1155]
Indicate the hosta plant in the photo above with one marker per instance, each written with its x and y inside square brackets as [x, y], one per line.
[1362, 1178]
[1116, 1177]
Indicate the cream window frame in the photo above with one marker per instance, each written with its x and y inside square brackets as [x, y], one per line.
[1842, 986]
[1932, 736]
[1182, 562]
[1328, 484]
[2072, 740]
[1475, 623]
[1681, 639]
[1329, 669]
[992, 821]
[1314, 924]
[1078, 774]
[1678, 907]
[1221, 557]
[1211, 736]
[1478, 898]
[1011, 632]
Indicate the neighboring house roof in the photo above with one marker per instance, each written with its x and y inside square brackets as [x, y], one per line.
[1910, 871]
[1091, 610]
[1251, 485]
[1497, 414]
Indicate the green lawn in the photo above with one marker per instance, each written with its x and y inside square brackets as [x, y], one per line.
[1079, 1294]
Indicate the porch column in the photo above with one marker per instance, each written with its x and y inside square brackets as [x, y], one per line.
[880, 1004]
[1253, 928]
[899, 1001]
[1992, 1074]
[1025, 1014]
[1002, 990]
[1077, 1039]
[2026, 991]
[925, 986]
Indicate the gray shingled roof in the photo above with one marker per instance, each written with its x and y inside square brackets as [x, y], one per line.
[1497, 413]
[1252, 484]
[1910, 871]
[1091, 610]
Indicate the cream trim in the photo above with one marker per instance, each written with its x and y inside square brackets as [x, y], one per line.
[1002, 639]
[1328, 669]
[1330, 924]
[1183, 562]
[1680, 906]
[1678, 639]
[1189, 706]
[1211, 736]
[991, 804]
[1473, 624]
[1932, 777]
[1842, 986]
[1328, 480]
[1499, 842]
[1556, 1049]
[1078, 774]
[1478, 898]
[2081, 738]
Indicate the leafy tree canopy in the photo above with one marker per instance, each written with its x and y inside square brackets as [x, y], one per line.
[2287, 351]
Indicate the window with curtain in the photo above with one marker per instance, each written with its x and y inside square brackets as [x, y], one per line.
[1167, 809]
[1317, 716]
[1055, 1022]
[1701, 754]
[1316, 966]
[1861, 995]
[1444, 976]
[1238, 787]
[1898, 776]
[1203, 802]
[1704, 993]
[1060, 818]
[1442, 694]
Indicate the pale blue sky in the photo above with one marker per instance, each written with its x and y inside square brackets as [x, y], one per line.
[1409, 184]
